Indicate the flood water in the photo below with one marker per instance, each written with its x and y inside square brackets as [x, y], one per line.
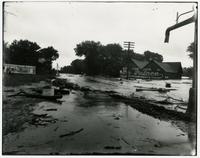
[107, 126]
[128, 87]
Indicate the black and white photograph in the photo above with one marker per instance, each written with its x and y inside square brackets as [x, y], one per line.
[99, 78]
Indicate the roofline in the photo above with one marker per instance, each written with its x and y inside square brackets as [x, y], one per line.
[155, 63]
[172, 62]
[148, 62]
[140, 61]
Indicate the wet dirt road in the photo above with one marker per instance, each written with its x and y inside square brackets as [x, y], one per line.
[107, 127]
[94, 123]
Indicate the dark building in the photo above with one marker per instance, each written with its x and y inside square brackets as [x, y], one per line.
[135, 68]
[153, 70]
[164, 70]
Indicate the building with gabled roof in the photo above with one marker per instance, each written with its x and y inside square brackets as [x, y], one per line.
[166, 70]
[139, 64]
[153, 70]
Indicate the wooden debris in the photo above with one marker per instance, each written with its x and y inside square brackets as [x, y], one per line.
[56, 129]
[151, 108]
[29, 95]
[71, 133]
[37, 90]
[62, 91]
[40, 115]
[125, 141]
[9, 90]
[168, 85]
[51, 109]
[42, 120]
[163, 102]
[154, 89]
[16, 94]
[112, 147]
[117, 96]
[59, 82]
[175, 99]
[181, 107]
[116, 118]
[158, 145]
[182, 134]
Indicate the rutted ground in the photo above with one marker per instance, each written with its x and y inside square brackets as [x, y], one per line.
[87, 123]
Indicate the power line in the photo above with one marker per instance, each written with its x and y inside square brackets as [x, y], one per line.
[129, 45]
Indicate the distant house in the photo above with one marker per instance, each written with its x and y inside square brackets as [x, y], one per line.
[153, 70]
[135, 68]
[164, 70]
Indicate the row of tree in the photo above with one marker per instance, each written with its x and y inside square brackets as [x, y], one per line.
[99, 59]
[188, 71]
[24, 52]
[104, 59]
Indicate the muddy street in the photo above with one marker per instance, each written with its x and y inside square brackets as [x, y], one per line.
[89, 123]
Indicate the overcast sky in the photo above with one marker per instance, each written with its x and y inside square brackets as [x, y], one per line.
[64, 24]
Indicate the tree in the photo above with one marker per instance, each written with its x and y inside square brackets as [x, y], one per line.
[153, 56]
[22, 52]
[99, 59]
[137, 55]
[91, 50]
[6, 53]
[78, 66]
[111, 59]
[188, 71]
[191, 49]
[48, 55]
[67, 69]
[131, 55]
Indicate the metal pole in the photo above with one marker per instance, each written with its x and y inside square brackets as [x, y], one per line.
[195, 56]
[176, 26]
[192, 103]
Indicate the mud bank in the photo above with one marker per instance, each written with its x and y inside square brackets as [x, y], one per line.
[17, 111]
[152, 109]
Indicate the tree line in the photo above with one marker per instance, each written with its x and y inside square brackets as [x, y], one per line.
[109, 59]
[99, 59]
[105, 60]
[25, 52]
[188, 71]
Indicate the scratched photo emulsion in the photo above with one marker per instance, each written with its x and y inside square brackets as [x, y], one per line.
[99, 78]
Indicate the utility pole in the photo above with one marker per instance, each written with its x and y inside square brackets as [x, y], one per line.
[129, 45]
[192, 103]
[57, 73]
